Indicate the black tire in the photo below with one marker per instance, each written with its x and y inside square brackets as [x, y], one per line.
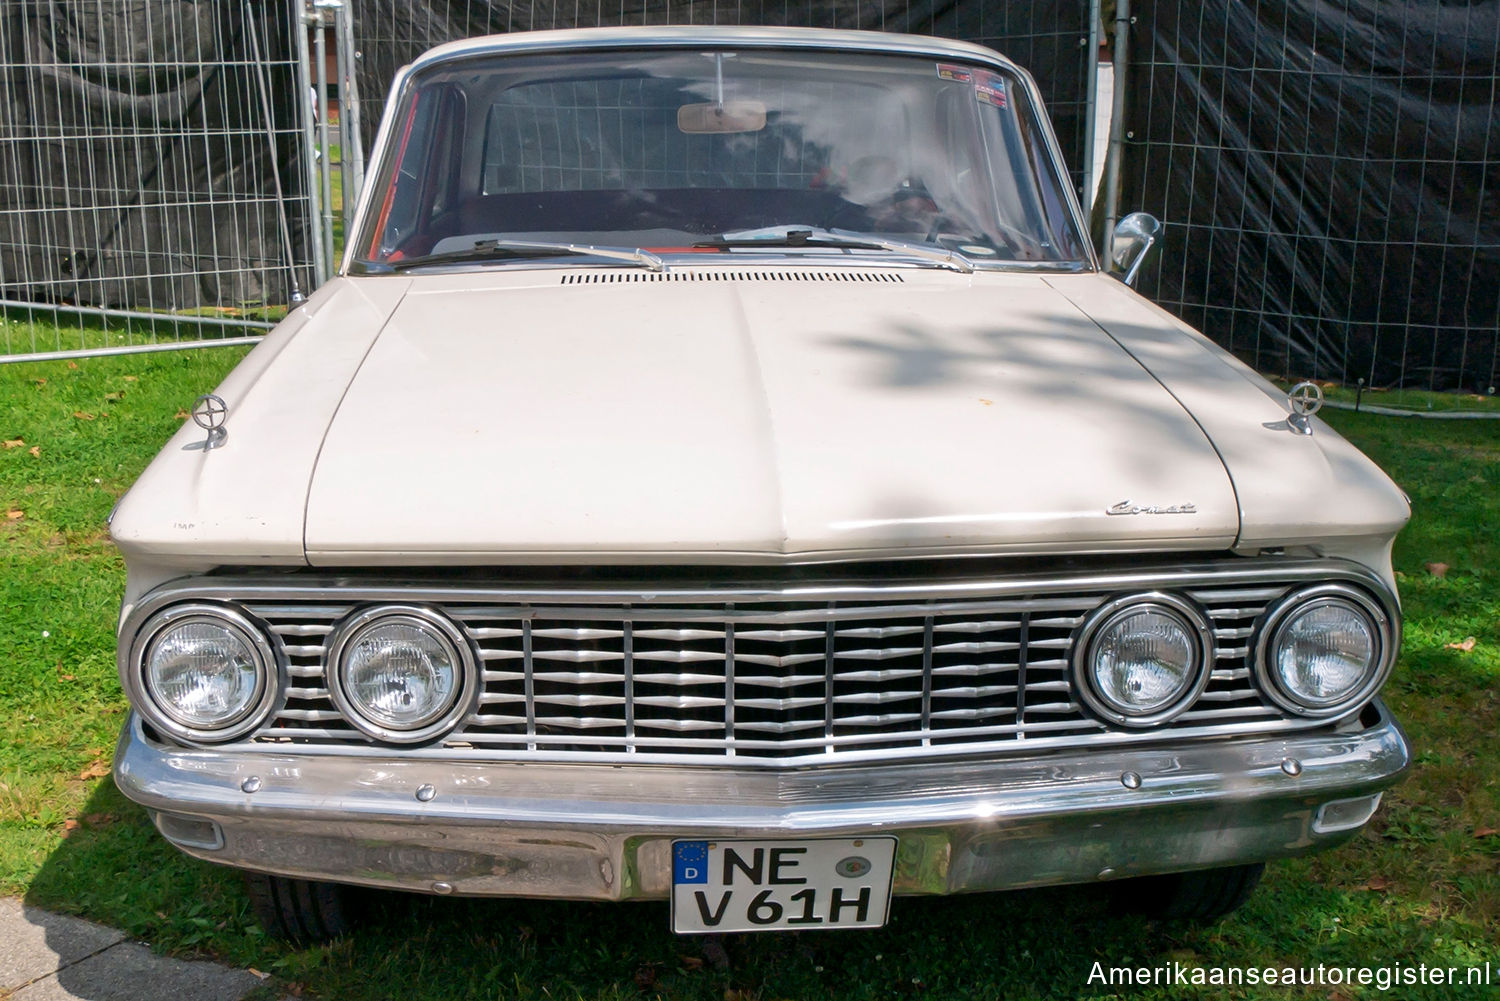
[1204, 895]
[298, 910]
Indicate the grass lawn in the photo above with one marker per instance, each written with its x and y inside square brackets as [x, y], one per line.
[1421, 885]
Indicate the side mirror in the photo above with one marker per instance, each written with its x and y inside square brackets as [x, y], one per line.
[1134, 237]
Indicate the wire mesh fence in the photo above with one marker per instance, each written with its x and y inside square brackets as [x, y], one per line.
[1326, 171]
[1052, 40]
[151, 188]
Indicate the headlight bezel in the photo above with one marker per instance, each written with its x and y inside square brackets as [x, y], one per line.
[271, 673]
[467, 673]
[1279, 614]
[1198, 629]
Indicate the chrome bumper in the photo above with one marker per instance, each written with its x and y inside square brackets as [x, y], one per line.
[604, 832]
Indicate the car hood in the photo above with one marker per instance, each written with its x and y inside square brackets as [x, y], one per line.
[753, 415]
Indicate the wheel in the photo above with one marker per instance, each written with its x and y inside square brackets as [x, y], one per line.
[1204, 895]
[298, 910]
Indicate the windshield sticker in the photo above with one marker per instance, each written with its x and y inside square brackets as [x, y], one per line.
[989, 88]
[960, 74]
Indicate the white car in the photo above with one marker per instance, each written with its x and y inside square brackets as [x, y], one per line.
[723, 472]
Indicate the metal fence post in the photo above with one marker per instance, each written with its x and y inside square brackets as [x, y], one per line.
[302, 18]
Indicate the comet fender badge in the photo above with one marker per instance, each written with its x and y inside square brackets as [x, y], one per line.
[1127, 507]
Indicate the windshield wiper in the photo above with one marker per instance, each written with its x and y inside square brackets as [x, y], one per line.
[499, 250]
[841, 240]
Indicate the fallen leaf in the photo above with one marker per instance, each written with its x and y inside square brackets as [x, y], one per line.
[130, 378]
[182, 415]
[97, 769]
[36, 451]
[83, 415]
[69, 826]
[67, 677]
[690, 962]
[1437, 569]
[72, 364]
[1466, 644]
[14, 443]
[115, 396]
[15, 515]
[1486, 832]
[645, 977]
[988, 403]
[39, 382]
[1378, 883]
[253, 970]
[100, 819]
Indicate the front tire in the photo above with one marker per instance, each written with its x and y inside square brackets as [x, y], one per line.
[1204, 895]
[298, 910]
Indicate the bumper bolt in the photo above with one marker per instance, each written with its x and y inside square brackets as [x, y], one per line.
[252, 784]
[1292, 766]
[443, 888]
[425, 793]
[1131, 780]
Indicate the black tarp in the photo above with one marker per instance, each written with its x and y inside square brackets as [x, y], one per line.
[1329, 173]
[135, 163]
[1048, 38]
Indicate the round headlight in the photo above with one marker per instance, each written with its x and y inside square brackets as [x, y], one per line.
[401, 674]
[1323, 650]
[1143, 659]
[205, 673]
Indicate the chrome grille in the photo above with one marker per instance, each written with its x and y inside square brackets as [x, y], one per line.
[778, 675]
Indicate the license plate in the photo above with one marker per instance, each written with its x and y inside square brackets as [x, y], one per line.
[724, 886]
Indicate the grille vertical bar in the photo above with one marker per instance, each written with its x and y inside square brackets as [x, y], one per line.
[627, 643]
[1024, 641]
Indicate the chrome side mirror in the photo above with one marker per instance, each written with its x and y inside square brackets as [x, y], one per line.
[1134, 237]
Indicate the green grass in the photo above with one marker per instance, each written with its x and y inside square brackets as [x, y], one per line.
[1420, 885]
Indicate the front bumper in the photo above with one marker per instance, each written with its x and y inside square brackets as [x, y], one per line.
[604, 832]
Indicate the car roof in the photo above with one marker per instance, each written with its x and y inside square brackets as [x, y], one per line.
[715, 37]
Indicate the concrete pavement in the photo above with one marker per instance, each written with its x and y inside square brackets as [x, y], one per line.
[49, 957]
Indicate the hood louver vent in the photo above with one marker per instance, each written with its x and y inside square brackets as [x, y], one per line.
[747, 275]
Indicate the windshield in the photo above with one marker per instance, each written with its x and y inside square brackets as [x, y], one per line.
[677, 151]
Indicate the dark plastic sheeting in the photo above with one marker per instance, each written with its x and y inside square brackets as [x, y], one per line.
[1047, 37]
[1329, 173]
[135, 169]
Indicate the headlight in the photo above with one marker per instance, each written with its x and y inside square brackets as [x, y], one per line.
[1143, 659]
[401, 674]
[1324, 650]
[203, 673]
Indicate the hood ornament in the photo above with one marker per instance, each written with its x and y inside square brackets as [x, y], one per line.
[1305, 399]
[209, 413]
[1127, 507]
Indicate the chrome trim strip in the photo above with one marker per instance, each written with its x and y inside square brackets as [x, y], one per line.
[993, 590]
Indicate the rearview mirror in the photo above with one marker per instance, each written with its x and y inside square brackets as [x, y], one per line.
[720, 119]
[1135, 236]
